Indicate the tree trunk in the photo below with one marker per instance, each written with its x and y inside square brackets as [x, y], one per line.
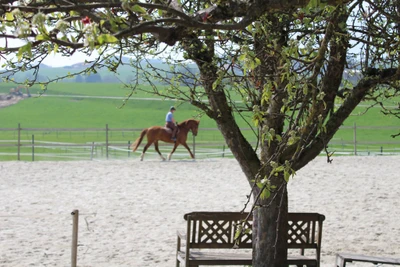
[270, 227]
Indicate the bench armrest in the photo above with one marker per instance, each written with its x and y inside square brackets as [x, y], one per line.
[181, 235]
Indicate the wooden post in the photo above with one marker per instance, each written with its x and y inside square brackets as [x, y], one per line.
[107, 141]
[194, 145]
[91, 151]
[355, 139]
[19, 142]
[33, 147]
[74, 251]
[129, 149]
[223, 151]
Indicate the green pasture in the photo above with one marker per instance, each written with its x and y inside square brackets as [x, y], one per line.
[53, 111]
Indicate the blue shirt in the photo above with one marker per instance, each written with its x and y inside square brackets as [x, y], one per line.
[169, 117]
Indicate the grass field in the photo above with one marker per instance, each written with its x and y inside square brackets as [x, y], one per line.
[54, 111]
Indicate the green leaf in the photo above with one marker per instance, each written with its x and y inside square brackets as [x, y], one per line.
[41, 37]
[292, 140]
[9, 16]
[55, 50]
[238, 231]
[106, 38]
[24, 49]
[242, 57]
[265, 194]
[138, 9]
[279, 169]
[286, 175]
[313, 3]
[316, 3]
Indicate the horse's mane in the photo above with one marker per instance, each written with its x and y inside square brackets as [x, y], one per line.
[187, 121]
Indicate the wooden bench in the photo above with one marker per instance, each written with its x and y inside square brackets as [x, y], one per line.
[343, 258]
[208, 231]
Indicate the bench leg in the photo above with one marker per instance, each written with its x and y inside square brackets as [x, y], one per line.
[340, 262]
[178, 248]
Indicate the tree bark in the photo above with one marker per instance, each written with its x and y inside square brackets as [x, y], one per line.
[221, 111]
[270, 228]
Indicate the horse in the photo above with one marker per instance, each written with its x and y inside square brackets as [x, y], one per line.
[159, 133]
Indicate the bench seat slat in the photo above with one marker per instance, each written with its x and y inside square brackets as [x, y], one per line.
[220, 258]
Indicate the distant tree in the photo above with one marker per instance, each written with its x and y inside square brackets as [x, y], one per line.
[286, 59]
[79, 79]
[93, 78]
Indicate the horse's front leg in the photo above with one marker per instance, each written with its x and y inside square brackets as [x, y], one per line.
[188, 149]
[173, 150]
[159, 153]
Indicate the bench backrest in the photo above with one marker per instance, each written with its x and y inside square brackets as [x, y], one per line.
[218, 229]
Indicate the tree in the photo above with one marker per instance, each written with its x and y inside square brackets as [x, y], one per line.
[93, 78]
[286, 59]
[78, 79]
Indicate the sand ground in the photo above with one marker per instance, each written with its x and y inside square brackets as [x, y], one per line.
[130, 210]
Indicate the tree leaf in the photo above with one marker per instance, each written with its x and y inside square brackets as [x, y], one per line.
[41, 37]
[138, 9]
[24, 49]
[106, 38]
[265, 194]
[9, 16]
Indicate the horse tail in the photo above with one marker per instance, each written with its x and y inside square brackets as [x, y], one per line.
[135, 145]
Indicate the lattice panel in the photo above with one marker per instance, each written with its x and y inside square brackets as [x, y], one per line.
[221, 232]
[299, 232]
[215, 232]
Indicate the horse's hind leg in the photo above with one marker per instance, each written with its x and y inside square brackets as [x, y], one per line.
[144, 149]
[159, 153]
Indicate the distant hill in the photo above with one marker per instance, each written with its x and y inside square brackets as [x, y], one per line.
[125, 72]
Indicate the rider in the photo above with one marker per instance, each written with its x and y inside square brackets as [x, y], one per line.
[170, 122]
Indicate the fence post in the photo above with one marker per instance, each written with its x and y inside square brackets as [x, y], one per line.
[223, 151]
[74, 251]
[19, 142]
[33, 147]
[91, 152]
[355, 139]
[194, 145]
[107, 141]
[129, 149]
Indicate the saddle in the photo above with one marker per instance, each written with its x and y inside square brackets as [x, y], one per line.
[169, 130]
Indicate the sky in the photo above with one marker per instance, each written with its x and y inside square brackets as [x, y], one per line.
[56, 60]
[53, 60]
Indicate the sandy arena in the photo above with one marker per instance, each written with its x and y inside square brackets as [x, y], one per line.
[130, 210]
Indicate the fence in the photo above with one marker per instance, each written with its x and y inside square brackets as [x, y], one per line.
[99, 143]
[92, 143]
[366, 140]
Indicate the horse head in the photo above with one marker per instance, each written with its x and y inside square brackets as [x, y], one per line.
[193, 125]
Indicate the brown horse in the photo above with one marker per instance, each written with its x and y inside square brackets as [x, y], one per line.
[159, 133]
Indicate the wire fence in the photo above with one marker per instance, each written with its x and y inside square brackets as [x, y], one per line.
[32, 144]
